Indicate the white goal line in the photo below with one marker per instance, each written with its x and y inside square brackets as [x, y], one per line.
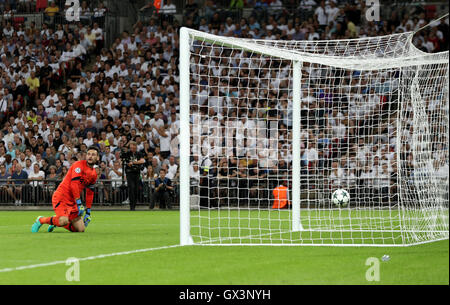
[86, 258]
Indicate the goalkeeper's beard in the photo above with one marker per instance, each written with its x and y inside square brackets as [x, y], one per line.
[91, 164]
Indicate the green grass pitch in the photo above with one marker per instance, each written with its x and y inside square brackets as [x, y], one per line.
[121, 231]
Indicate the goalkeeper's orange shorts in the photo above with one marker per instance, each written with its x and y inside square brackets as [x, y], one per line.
[64, 207]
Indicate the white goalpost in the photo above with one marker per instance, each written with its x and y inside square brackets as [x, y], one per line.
[269, 129]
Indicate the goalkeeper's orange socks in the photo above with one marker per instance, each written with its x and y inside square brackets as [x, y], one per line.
[54, 220]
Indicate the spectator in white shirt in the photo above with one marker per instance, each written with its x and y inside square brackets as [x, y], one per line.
[311, 156]
[194, 174]
[164, 140]
[168, 9]
[332, 12]
[172, 169]
[89, 141]
[336, 176]
[36, 175]
[115, 174]
[321, 15]
[28, 166]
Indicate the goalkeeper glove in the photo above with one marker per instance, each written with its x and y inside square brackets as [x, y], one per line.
[80, 207]
[87, 217]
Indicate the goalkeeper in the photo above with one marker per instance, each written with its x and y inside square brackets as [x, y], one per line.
[66, 199]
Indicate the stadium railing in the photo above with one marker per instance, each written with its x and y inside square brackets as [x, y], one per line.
[27, 192]
[209, 192]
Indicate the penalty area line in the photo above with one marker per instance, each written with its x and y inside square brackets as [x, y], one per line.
[87, 258]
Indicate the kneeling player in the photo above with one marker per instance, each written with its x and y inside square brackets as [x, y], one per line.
[66, 199]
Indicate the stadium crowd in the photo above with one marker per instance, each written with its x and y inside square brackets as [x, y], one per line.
[62, 90]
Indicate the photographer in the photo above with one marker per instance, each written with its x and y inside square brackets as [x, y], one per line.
[133, 162]
[163, 191]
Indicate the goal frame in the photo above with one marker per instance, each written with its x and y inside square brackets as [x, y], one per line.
[185, 210]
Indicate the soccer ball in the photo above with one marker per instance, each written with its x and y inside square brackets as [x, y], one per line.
[340, 197]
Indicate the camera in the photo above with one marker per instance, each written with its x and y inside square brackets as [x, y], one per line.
[124, 155]
[127, 157]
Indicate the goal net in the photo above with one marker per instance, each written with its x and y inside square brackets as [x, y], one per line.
[270, 129]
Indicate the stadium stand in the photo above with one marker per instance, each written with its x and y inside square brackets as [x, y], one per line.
[63, 89]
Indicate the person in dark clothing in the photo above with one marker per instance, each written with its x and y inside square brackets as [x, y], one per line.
[134, 160]
[163, 189]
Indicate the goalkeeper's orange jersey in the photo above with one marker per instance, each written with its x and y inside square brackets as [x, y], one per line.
[79, 177]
